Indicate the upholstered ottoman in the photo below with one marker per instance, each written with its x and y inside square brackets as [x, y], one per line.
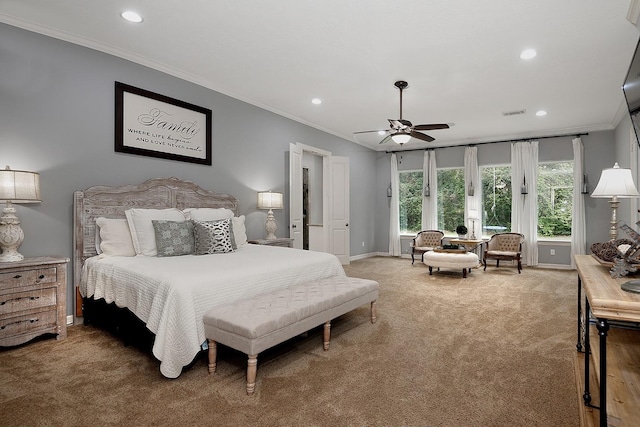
[260, 322]
[456, 261]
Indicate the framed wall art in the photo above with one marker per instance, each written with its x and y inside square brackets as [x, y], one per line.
[155, 125]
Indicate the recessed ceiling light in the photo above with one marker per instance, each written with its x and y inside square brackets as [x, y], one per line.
[528, 54]
[316, 101]
[541, 113]
[131, 16]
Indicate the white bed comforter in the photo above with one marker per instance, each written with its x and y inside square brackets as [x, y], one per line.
[171, 294]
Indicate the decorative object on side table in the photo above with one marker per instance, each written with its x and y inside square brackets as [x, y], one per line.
[615, 183]
[15, 187]
[269, 200]
[627, 259]
[462, 231]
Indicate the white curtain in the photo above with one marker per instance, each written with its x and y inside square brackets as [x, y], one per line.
[524, 215]
[578, 225]
[394, 215]
[430, 180]
[472, 201]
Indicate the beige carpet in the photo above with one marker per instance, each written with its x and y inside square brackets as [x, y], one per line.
[494, 349]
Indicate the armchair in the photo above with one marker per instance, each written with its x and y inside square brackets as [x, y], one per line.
[504, 246]
[425, 241]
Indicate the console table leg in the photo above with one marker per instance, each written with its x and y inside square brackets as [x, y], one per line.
[603, 327]
[586, 396]
[579, 344]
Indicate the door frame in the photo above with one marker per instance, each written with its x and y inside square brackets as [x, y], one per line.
[326, 183]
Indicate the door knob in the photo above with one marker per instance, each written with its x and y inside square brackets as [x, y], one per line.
[293, 226]
[346, 225]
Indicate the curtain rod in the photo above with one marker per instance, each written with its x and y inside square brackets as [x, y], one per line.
[492, 142]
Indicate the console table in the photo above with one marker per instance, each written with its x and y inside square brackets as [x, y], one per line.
[611, 306]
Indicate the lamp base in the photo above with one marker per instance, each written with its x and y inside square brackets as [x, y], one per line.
[271, 226]
[11, 235]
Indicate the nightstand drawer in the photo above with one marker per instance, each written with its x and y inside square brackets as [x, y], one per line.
[21, 301]
[33, 277]
[26, 323]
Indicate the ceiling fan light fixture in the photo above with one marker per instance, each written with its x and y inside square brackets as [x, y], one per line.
[401, 138]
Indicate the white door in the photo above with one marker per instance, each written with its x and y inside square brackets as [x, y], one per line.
[295, 195]
[339, 211]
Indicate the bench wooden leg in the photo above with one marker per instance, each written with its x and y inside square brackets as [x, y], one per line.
[252, 368]
[374, 312]
[326, 335]
[212, 356]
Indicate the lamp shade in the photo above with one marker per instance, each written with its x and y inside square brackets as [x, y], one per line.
[401, 138]
[616, 182]
[473, 214]
[269, 200]
[19, 186]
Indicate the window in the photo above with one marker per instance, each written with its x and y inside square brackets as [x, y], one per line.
[410, 202]
[496, 199]
[555, 200]
[451, 198]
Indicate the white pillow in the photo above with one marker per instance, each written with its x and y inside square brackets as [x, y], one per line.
[208, 214]
[115, 237]
[239, 230]
[142, 232]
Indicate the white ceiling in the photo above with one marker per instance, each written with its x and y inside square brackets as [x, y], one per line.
[461, 58]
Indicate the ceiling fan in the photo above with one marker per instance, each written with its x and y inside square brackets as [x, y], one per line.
[401, 131]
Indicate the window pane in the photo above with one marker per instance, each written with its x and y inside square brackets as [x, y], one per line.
[450, 199]
[496, 199]
[555, 199]
[410, 202]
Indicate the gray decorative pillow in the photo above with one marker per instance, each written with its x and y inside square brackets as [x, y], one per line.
[212, 237]
[174, 238]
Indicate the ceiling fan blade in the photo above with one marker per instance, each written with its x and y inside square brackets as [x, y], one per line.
[370, 131]
[385, 139]
[422, 136]
[431, 126]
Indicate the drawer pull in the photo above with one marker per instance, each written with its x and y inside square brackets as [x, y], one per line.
[17, 276]
[19, 321]
[33, 298]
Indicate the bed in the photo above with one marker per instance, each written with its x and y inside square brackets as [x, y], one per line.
[169, 294]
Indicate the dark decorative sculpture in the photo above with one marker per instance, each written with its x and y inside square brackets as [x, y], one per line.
[628, 261]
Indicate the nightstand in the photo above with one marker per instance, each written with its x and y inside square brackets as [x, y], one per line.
[280, 241]
[33, 299]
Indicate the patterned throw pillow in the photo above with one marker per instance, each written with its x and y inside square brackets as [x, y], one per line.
[212, 237]
[174, 238]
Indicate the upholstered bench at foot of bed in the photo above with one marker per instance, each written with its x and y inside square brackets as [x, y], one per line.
[255, 324]
[455, 261]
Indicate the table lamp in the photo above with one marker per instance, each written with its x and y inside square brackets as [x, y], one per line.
[269, 200]
[473, 215]
[15, 187]
[615, 183]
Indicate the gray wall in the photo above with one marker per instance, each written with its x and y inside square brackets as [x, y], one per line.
[57, 118]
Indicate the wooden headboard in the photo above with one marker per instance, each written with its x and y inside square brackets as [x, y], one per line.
[111, 202]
